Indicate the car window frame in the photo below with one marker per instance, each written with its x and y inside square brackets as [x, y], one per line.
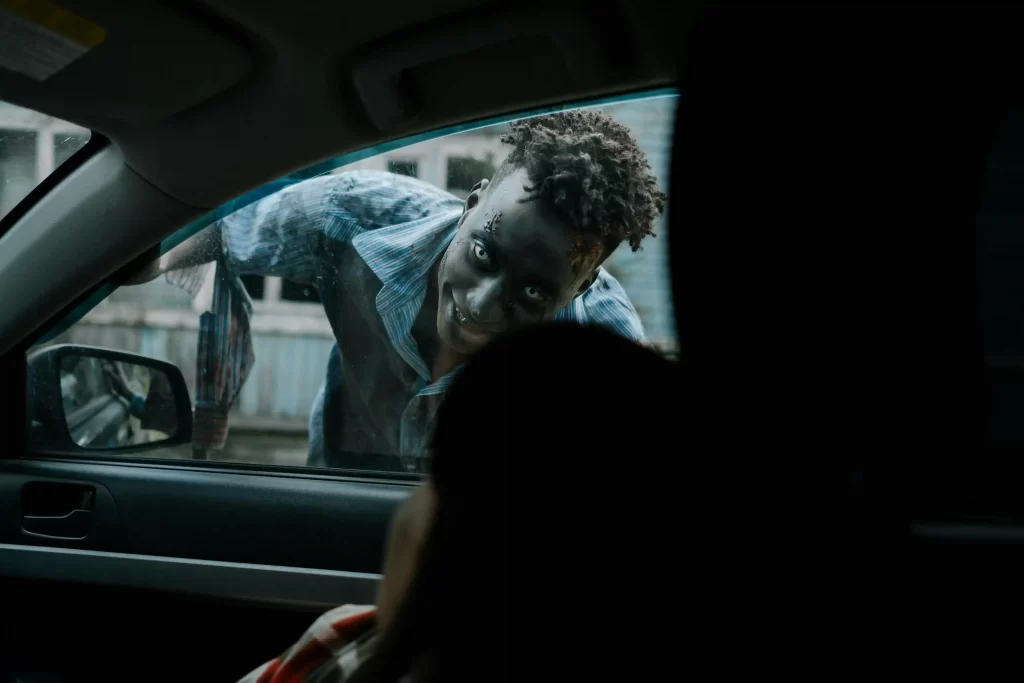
[81, 305]
[96, 144]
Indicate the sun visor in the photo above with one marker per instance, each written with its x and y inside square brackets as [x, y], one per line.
[490, 63]
[94, 62]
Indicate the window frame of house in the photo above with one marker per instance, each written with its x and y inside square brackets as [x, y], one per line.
[271, 311]
[45, 127]
[272, 304]
[413, 161]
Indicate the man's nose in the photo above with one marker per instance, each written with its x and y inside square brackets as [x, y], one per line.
[484, 300]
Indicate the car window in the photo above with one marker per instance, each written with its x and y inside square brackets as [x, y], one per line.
[318, 320]
[32, 145]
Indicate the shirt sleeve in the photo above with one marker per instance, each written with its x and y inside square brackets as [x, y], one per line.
[279, 235]
[605, 303]
[328, 651]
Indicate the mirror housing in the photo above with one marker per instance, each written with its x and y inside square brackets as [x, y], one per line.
[50, 427]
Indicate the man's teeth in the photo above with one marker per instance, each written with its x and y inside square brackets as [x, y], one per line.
[458, 314]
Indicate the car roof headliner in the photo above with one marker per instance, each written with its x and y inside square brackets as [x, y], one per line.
[208, 100]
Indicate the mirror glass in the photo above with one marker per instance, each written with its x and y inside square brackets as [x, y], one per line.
[115, 404]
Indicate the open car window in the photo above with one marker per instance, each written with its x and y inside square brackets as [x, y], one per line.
[318, 320]
[32, 146]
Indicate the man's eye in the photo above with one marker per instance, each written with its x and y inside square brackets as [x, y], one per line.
[480, 252]
[533, 294]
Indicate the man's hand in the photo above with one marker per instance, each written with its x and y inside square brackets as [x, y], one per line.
[118, 380]
[146, 273]
[202, 247]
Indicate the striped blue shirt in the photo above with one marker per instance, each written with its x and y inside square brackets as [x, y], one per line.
[366, 240]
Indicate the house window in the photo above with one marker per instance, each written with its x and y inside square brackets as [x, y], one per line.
[293, 291]
[465, 172]
[273, 290]
[254, 286]
[404, 167]
[17, 167]
[66, 144]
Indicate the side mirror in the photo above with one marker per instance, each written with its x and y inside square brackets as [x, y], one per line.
[86, 399]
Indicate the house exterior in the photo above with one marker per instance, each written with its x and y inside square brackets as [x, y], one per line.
[31, 146]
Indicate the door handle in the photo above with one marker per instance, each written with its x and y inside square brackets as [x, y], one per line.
[72, 526]
[58, 511]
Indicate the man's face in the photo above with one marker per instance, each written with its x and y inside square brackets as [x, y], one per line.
[511, 263]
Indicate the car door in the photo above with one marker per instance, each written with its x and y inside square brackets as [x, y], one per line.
[223, 546]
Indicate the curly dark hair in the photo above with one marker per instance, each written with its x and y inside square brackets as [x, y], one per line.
[588, 168]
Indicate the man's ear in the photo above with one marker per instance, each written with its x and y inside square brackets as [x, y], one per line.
[474, 195]
[590, 279]
[585, 285]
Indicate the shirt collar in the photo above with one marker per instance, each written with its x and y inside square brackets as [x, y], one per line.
[401, 257]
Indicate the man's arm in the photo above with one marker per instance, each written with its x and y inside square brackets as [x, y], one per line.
[119, 383]
[330, 649]
[273, 236]
[202, 247]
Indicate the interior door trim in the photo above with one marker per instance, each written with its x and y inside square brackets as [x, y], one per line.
[318, 589]
[967, 532]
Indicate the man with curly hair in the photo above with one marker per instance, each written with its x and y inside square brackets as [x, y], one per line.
[414, 280]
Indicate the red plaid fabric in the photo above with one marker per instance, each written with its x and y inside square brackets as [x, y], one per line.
[328, 652]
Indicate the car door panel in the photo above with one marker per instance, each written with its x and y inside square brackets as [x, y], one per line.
[67, 630]
[199, 513]
[257, 584]
[181, 565]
